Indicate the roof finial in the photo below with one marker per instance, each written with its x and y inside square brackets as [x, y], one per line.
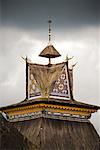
[49, 21]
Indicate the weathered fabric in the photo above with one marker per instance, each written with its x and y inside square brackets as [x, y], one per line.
[60, 88]
[45, 75]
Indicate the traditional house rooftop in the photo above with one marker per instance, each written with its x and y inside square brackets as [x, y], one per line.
[50, 117]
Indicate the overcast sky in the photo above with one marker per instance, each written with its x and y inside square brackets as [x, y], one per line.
[75, 31]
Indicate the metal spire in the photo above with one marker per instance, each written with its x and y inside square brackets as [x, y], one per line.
[49, 21]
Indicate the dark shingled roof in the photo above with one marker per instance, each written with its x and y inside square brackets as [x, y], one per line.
[50, 52]
[49, 134]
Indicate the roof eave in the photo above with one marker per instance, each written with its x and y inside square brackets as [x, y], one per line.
[51, 101]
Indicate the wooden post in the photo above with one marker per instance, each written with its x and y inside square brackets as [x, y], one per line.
[71, 92]
[49, 60]
[26, 79]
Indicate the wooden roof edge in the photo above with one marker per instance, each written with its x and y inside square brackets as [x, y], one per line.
[91, 105]
[12, 105]
[71, 103]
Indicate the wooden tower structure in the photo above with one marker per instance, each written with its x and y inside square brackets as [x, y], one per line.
[50, 118]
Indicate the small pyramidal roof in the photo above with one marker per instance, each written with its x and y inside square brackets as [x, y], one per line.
[49, 51]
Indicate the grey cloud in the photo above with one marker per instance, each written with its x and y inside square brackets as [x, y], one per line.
[32, 14]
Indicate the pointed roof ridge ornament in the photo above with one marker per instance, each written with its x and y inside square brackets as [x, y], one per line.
[49, 51]
[68, 58]
[74, 65]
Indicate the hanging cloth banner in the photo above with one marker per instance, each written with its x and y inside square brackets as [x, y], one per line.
[43, 76]
[49, 81]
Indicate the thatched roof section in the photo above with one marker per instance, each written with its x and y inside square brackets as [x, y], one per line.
[49, 134]
[50, 52]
